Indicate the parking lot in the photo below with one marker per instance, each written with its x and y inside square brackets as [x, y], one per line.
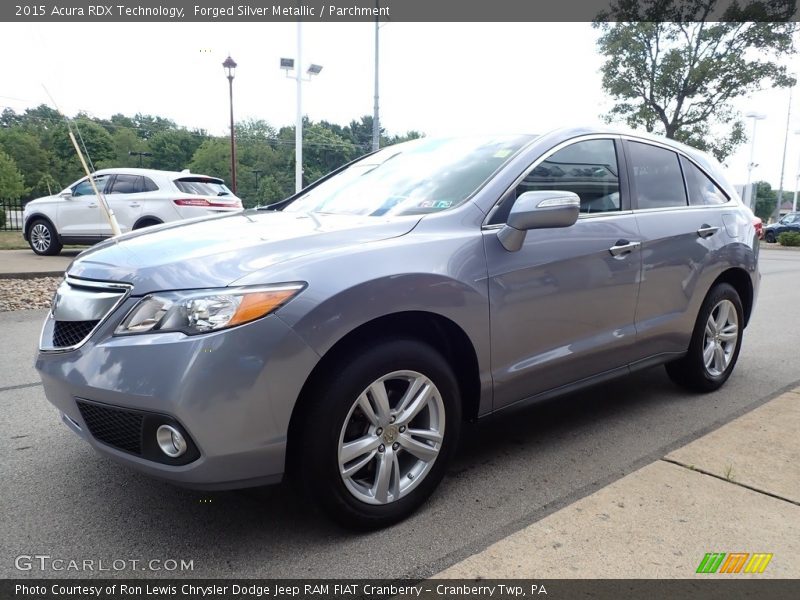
[61, 499]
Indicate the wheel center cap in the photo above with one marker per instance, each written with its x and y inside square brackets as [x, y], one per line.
[390, 434]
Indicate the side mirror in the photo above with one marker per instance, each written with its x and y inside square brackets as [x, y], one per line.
[66, 195]
[538, 210]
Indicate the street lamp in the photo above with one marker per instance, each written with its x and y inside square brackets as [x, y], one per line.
[751, 165]
[796, 179]
[230, 73]
[288, 64]
[140, 155]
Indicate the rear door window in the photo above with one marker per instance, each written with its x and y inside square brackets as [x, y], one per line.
[657, 176]
[126, 184]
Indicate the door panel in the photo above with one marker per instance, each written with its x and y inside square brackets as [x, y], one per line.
[81, 214]
[125, 195]
[681, 219]
[675, 260]
[562, 307]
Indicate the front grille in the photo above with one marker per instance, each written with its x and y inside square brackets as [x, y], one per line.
[71, 333]
[114, 426]
[78, 308]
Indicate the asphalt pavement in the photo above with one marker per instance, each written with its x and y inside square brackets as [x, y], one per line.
[62, 500]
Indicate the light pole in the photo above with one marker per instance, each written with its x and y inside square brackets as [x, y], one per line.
[756, 118]
[376, 121]
[140, 155]
[230, 73]
[288, 64]
[796, 179]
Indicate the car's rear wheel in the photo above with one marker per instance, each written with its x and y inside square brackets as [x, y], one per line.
[146, 223]
[43, 238]
[715, 345]
[769, 237]
[377, 439]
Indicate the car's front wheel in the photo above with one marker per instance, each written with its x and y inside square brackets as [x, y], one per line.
[379, 432]
[715, 345]
[769, 237]
[43, 238]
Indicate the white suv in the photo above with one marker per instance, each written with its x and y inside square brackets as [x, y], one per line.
[138, 197]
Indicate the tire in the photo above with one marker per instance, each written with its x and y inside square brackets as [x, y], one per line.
[345, 483]
[145, 223]
[769, 237]
[713, 351]
[43, 238]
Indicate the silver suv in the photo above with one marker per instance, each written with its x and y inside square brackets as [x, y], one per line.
[343, 336]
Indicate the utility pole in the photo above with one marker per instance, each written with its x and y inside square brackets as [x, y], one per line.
[783, 160]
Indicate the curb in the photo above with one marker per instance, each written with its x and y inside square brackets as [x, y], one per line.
[31, 275]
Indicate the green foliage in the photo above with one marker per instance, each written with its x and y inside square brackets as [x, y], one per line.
[672, 70]
[789, 238]
[173, 150]
[38, 142]
[2, 218]
[766, 200]
[12, 184]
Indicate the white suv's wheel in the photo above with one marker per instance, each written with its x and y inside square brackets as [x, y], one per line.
[43, 238]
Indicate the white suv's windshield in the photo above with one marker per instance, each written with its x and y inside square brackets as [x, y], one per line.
[422, 176]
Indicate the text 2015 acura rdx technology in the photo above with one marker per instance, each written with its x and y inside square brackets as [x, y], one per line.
[343, 336]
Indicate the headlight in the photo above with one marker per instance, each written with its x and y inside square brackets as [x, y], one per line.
[201, 311]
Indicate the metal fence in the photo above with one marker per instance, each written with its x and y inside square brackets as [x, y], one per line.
[10, 215]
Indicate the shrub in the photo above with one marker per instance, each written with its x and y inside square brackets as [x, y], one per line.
[2, 217]
[789, 238]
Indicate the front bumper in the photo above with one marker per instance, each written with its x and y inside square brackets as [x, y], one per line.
[233, 391]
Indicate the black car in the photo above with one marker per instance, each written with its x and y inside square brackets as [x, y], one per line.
[790, 222]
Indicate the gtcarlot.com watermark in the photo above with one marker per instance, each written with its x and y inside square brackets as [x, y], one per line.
[47, 563]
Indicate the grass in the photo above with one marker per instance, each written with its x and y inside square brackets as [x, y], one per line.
[12, 240]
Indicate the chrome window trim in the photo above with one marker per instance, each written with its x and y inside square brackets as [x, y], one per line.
[124, 290]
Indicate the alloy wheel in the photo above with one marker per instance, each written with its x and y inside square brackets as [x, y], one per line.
[40, 237]
[391, 437]
[720, 337]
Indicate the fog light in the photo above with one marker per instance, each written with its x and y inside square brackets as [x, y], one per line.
[170, 441]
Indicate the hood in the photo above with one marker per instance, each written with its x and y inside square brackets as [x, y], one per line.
[216, 251]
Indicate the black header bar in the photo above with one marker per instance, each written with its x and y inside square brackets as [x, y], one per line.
[391, 10]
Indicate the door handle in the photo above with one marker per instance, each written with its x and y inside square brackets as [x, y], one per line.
[134, 205]
[92, 205]
[623, 247]
[707, 230]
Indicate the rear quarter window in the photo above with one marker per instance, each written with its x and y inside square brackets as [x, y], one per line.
[702, 190]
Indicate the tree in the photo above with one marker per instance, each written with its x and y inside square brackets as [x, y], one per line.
[12, 184]
[126, 141]
[766, 199]
[173, 149]
[29, 155]
[97, 146]
[673, 70]
[213, 157]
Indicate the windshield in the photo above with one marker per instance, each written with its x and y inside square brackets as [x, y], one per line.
[417, 177]
[202, 187]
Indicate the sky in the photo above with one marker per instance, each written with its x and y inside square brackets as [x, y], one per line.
[437, 78]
